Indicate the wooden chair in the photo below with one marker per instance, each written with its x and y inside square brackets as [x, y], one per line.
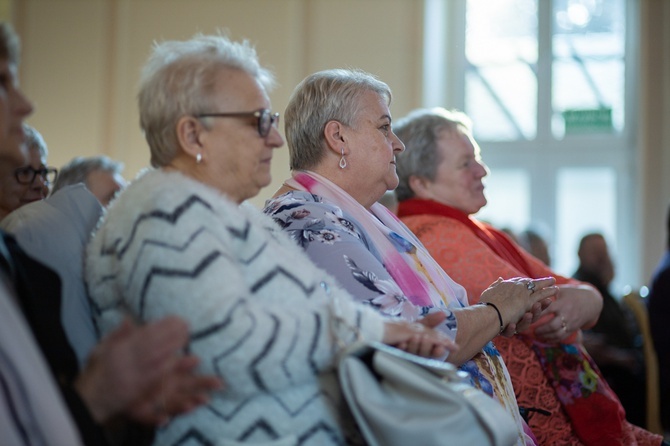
[639, 309]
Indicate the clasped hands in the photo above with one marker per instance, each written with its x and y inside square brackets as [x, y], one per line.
[521, 301]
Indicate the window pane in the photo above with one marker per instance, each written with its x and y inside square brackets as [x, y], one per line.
[586, 203]
[588, 68]
[501, 55]
[508, 195]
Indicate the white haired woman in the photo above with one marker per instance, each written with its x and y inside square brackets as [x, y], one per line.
[440, 189]
[342, 153]
[178, 241]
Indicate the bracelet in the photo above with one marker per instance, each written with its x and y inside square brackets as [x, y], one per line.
[490, 304]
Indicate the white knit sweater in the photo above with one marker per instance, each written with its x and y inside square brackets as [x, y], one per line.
[261, 315]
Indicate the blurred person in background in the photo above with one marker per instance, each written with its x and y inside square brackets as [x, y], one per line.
[29, 182]
[614, 342]
[100, 174]
[535, 244]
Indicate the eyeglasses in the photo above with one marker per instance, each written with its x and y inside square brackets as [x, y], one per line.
[26, 175]
[266, 119]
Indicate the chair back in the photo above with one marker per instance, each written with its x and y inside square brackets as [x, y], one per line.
[639, 309]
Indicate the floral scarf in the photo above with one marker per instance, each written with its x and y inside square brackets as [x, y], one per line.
[420, 278]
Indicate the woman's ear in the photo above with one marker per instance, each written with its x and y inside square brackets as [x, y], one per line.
[334, 135]
[188, 135]
[421, 187]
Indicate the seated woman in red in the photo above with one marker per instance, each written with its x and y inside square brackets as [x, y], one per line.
[440, 188]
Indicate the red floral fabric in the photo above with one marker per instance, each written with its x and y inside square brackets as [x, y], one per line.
[583, 408]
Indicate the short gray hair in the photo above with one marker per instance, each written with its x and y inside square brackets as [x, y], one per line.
[330, 95]
[78, 169]
[419, 131]
[178, 80]
[34, 140]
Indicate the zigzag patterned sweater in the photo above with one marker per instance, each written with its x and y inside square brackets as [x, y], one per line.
[261, 315]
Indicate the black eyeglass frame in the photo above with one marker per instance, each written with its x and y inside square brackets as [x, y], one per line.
[44, 172]
[266, 119]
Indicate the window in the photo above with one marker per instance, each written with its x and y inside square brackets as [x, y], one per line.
[588, 66]
[590, 193]
[508, 194]
[548, 85]
[501, 60]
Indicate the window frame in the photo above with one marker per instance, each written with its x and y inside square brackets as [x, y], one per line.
[543, 157]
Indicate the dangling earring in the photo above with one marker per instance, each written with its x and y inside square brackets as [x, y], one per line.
[198, 158]
[343, 162]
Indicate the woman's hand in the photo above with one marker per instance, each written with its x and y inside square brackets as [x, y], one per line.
[520, 301]
[516, 303]
[528, 319]
[419, 338]
[151, 380]
[576, 307]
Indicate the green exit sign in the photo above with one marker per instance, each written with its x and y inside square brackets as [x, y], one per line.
[580, 121]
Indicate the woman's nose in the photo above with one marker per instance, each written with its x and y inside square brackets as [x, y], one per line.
[399, 145]
[483, 169]
[39, 182]
[274, 138]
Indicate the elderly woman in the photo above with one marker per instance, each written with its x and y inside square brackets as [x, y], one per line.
[440, 189]
[342, 151]
[30, 182]
[178, 241]
[100, 174]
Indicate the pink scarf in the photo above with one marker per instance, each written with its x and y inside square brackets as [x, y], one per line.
[419, 277]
